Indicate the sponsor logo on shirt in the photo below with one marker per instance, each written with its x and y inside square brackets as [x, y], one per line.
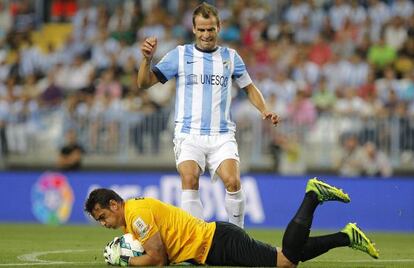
[191, 79]
[207, 79]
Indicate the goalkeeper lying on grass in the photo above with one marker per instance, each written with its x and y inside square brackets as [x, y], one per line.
[170, 235]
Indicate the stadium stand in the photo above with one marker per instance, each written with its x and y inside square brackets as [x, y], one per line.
[331, 69]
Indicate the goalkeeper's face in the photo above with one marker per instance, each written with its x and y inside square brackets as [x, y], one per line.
[110, 217]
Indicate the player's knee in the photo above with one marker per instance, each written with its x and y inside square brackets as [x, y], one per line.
[284, 262]
[189, 182]
[232, 183]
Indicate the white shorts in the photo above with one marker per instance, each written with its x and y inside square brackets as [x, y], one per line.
[204, 149]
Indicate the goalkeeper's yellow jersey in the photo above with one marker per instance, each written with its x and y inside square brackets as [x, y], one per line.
[185, 237]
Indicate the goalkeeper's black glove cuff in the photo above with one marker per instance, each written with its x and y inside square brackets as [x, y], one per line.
[124, 260]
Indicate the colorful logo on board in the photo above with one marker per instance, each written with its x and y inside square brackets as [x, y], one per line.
[52, 198]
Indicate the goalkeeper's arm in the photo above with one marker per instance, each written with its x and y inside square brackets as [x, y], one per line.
[155, 253]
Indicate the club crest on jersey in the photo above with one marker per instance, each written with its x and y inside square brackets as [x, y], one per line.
[191, 79]
[226, 64]
[141, 228]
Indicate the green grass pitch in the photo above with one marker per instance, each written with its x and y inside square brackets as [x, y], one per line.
[33, 245]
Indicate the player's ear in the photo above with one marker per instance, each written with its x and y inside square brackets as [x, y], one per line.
[113, 204]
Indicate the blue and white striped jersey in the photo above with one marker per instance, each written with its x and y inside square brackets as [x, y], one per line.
[203, 87]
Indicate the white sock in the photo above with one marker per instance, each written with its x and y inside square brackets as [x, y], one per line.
[191, 202]
[234, 202]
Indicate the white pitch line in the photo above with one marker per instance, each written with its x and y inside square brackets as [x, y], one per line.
[371, 261]
[45, 263]
[33, 258]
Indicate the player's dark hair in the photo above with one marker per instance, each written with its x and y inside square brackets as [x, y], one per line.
[206, 10]
[102, 197]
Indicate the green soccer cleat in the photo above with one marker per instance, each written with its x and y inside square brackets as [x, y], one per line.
[326, 192]
[359, 240]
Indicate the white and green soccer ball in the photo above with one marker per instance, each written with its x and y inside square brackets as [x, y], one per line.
[130, 246]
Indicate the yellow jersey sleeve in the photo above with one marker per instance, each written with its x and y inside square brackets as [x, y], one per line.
[185, 237]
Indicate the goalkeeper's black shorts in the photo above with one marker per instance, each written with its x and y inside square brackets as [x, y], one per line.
[232, 246]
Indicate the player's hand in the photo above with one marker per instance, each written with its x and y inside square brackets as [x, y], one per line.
[148, 47]
[112, 254]
[274, 118]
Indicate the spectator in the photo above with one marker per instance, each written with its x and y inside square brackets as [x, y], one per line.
[51, 94]
[357, 13]
[368, 89]
[407, 87]
[296, 12]
[402, 8]
[78, 75]
[405, 61]
[6, 21]
[230, 31]
[323, 99]
[354, 71]
[304, 70]
[347, 163]
[302, 113]
[338, 14]
[108, 96]
[387, 84]
[4, 67]
[305, 32]
[380, 54]
[379, 13]
[148, 125]
[119, 20]
[320, 52]
[70, 156]
[288, 154]
[25, 17]
[395, 33]
[374, 162]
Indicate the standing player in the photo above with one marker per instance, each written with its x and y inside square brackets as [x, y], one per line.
[204, 131]
[170, 235]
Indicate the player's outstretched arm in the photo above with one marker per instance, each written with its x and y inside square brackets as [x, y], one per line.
[256, 98]
[146, 78]
[155, 253]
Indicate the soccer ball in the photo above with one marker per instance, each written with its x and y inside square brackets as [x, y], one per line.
[129, 246]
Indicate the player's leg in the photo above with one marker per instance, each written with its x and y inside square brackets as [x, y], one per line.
[190, 163]
[234, 200]
[190, 195]
[232, 246]
[351, 236]
[318, 245]
[297, 232]
[223, 161]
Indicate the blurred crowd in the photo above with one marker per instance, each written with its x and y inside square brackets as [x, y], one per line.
[311, 59]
